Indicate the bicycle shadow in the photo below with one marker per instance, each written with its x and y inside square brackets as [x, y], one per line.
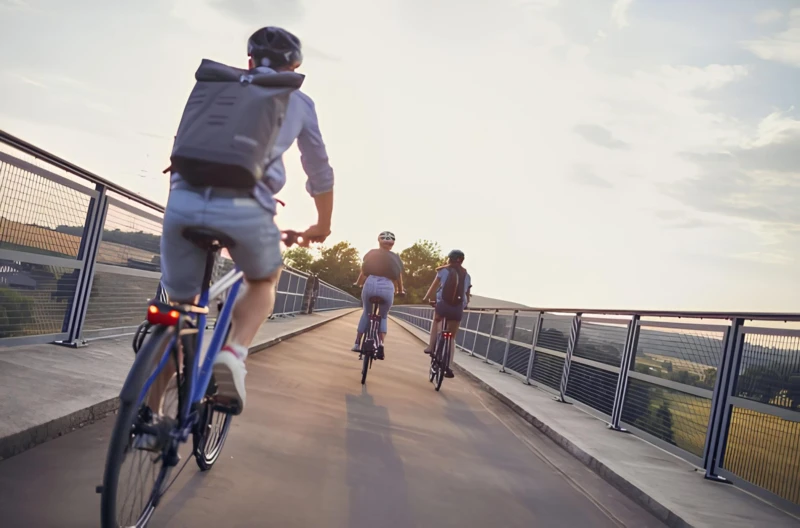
[378, 491]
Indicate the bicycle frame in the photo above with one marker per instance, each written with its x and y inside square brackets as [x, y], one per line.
[198, 380]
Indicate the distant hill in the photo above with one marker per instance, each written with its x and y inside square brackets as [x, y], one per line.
[487, 302]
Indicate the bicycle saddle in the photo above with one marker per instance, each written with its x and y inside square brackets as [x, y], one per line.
[376, 300]
[208, 239]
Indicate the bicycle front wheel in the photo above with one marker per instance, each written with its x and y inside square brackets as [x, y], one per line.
[135, 478]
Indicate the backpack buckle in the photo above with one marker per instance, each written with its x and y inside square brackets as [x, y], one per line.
[246, 79]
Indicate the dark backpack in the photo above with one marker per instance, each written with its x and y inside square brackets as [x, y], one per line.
[453, 291]
[230, 124]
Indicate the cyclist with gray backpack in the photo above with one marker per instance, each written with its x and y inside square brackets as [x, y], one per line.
[452, 286]
[226, 168]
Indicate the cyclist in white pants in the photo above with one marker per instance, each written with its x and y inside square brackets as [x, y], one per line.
[381, 276]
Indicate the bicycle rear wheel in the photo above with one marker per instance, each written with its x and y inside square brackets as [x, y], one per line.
[135, 479]
[365, 366]
[212, 429]
[443, 360]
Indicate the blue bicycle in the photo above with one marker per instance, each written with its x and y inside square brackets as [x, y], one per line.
[188, 405]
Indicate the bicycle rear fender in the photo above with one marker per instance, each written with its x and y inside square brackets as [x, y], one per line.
[142, 367]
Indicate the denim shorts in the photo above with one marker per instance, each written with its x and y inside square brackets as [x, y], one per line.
[257, 250]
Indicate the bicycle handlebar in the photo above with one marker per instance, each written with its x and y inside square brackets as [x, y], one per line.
[290, 238]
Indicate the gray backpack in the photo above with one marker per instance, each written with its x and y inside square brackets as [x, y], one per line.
[230, 125]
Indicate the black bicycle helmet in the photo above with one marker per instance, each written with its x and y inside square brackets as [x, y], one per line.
[275, 44]
[456, 254]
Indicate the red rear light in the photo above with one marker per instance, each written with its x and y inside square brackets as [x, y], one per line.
[156, 317]
[447, 334]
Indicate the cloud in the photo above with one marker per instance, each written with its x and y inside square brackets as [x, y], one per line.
[248, 11]
[783, 47]
[583, 175]
[26, 80]
[757, 181]
[619, 12]
[599, 136]
[676, 219]
[769, 16]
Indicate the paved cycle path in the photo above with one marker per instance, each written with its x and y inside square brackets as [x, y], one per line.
[315, 448]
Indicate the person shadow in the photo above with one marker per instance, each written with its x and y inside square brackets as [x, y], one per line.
[378, 491]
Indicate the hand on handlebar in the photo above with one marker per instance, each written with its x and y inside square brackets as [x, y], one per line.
[312, 234]
[316, 233]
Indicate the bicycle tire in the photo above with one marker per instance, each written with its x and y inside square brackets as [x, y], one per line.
[441, 367]
[365, 367]
[121, 437]
[434, 359]
[207, 453]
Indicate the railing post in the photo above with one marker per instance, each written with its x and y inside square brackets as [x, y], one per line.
[489, 342]
[508, 340]
[625, 364]
[571, 344]
[90, 243]
[720, 415]
[537, 326]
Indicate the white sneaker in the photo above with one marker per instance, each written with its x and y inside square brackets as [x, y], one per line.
[229, 374]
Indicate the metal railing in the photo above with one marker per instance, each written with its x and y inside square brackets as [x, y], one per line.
[79, 255]
[702, 385]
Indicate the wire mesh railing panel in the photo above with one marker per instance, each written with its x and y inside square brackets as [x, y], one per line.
[469, 341]
[523, 330]
[547, 369]
[770, 370]
[518, 357]
[39, 215]
[280, 303]
[460, 337]
[497, 349]
[675, 417]
[118, 301]
[472, 320]
[485, 322]
[684, 356]
[592, 386]
[502, 324]
[34, 299]
[481, 345]
[554, 334]
[603, 343]
[131, 236]
[765, 450]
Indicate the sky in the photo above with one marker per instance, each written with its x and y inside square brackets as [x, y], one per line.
[631, 154]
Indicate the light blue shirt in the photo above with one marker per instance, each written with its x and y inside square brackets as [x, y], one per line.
[301, 124]
[442, 276]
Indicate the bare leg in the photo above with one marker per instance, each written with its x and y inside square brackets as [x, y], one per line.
[434, 332]
[252, 308]
[452, 327]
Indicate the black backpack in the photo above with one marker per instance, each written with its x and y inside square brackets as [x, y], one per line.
[453, 292]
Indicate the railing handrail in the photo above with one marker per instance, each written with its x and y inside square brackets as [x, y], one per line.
[750, 316]
[73, 169]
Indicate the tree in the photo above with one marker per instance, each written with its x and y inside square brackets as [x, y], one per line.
[299, 258]
[339, 265]
[419, 263]
[16, 313]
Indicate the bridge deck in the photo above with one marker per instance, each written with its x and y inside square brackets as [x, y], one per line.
[315, 449]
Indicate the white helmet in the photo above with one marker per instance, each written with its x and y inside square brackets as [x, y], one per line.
[386, 236]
